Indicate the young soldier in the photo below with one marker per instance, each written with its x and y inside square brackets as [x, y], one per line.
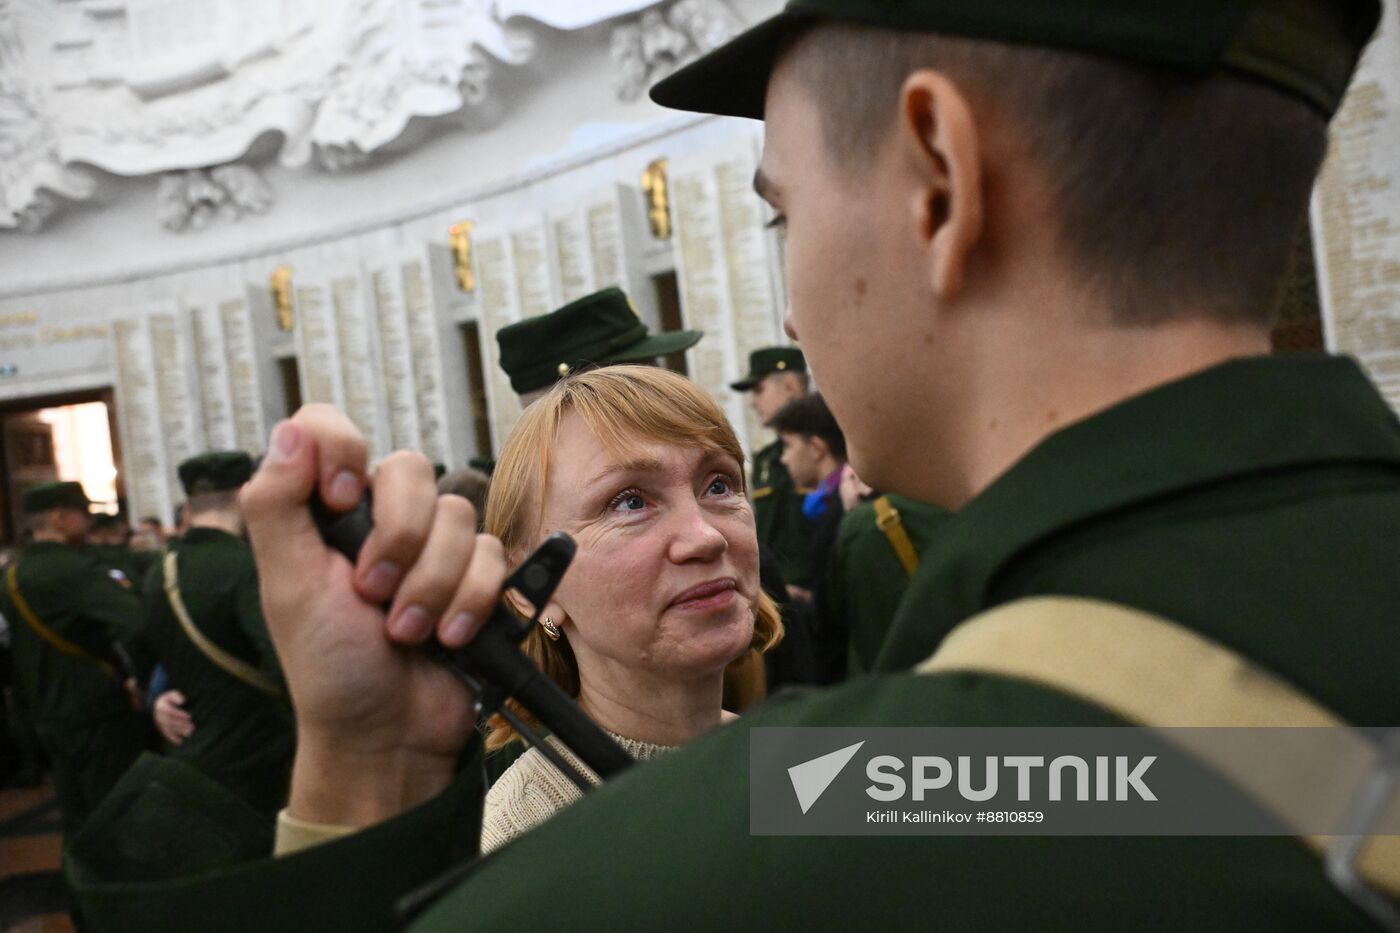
[205, 625]
[814, 455]
[777, 376]
[1032, 268]
[67, 615]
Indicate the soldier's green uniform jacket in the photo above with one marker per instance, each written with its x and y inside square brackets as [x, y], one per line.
[134, 565]
[243, 736]
[1255, 503]
[777, 512]
[128, 568]
[81, 712]
[866, 580]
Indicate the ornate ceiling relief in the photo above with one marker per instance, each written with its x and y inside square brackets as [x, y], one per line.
[32, 173]
[183, 88]
[194, 198]
[654, 44]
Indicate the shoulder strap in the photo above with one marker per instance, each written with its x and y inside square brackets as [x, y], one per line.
[234, 667]
[43, 631]
[888, 521]
[1154, 672]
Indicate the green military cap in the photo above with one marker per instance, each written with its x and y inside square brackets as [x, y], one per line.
[770, 360]
[1308, 48]
[597, 329]
[67, 495]
[215, 470]
[486, 465]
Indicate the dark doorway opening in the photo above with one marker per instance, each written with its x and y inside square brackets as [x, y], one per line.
[291, 383]
[476, 389]
[668, 306]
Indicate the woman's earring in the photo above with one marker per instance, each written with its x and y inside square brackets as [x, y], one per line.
[550, 628]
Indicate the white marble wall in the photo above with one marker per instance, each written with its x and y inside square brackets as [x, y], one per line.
[182, 325]
[192, 353]
[1356, 216]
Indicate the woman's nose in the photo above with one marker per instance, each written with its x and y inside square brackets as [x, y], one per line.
[695, 536]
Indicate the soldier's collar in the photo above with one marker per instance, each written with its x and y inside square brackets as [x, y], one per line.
[1241, 418]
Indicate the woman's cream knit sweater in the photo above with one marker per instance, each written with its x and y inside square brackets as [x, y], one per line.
[532, 790]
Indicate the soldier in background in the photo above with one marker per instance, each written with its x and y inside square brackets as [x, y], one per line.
[110, 539]
[68, 615]
[814, 456]
[777, 376]
[205, 626]
[600, 329]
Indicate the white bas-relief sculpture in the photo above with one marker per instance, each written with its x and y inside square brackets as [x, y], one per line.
[659, 41]
[141, 87]
[32, 172]
[192, 199]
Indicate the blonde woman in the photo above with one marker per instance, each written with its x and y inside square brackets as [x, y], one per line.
[642, 469]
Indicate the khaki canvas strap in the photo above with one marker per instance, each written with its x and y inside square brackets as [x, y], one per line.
[1152, 672]
[43, 631]
[234, 667]
[888, 521]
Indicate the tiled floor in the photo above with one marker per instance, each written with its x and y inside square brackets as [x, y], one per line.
[31, 888]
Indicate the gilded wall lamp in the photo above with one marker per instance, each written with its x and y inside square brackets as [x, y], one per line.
[460, 241]
[281, 286]
[658, 199]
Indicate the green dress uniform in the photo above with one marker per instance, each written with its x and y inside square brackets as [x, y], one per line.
[243, 734]
[75, 699]
[1255, 503]
[777, 502]
[867, 578]
[777, 512]
[128, 568]
[133, 565]
[205, 624]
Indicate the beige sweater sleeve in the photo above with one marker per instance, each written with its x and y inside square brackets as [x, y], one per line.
[532, 790]
[529, 792]
[293, 834]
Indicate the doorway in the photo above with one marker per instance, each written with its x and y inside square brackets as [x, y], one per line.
[476, 390]
[62, 437]
[668, 304]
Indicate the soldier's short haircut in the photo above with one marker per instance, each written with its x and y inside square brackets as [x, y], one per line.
[809, 416]
[1174, 193]
[218, 500]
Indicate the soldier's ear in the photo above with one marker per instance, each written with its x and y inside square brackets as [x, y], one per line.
[940, 140]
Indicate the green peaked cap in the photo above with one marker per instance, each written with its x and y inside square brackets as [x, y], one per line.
[1307, 48]
[65, 495]
[770, 360]
[215, 470]
[595, 330]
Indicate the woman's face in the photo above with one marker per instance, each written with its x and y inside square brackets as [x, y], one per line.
[666, 575]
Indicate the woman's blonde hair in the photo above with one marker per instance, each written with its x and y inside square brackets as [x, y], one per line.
[620, 404]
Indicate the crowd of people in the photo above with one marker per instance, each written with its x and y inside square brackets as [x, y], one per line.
[122, 647]
[1032, 266]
